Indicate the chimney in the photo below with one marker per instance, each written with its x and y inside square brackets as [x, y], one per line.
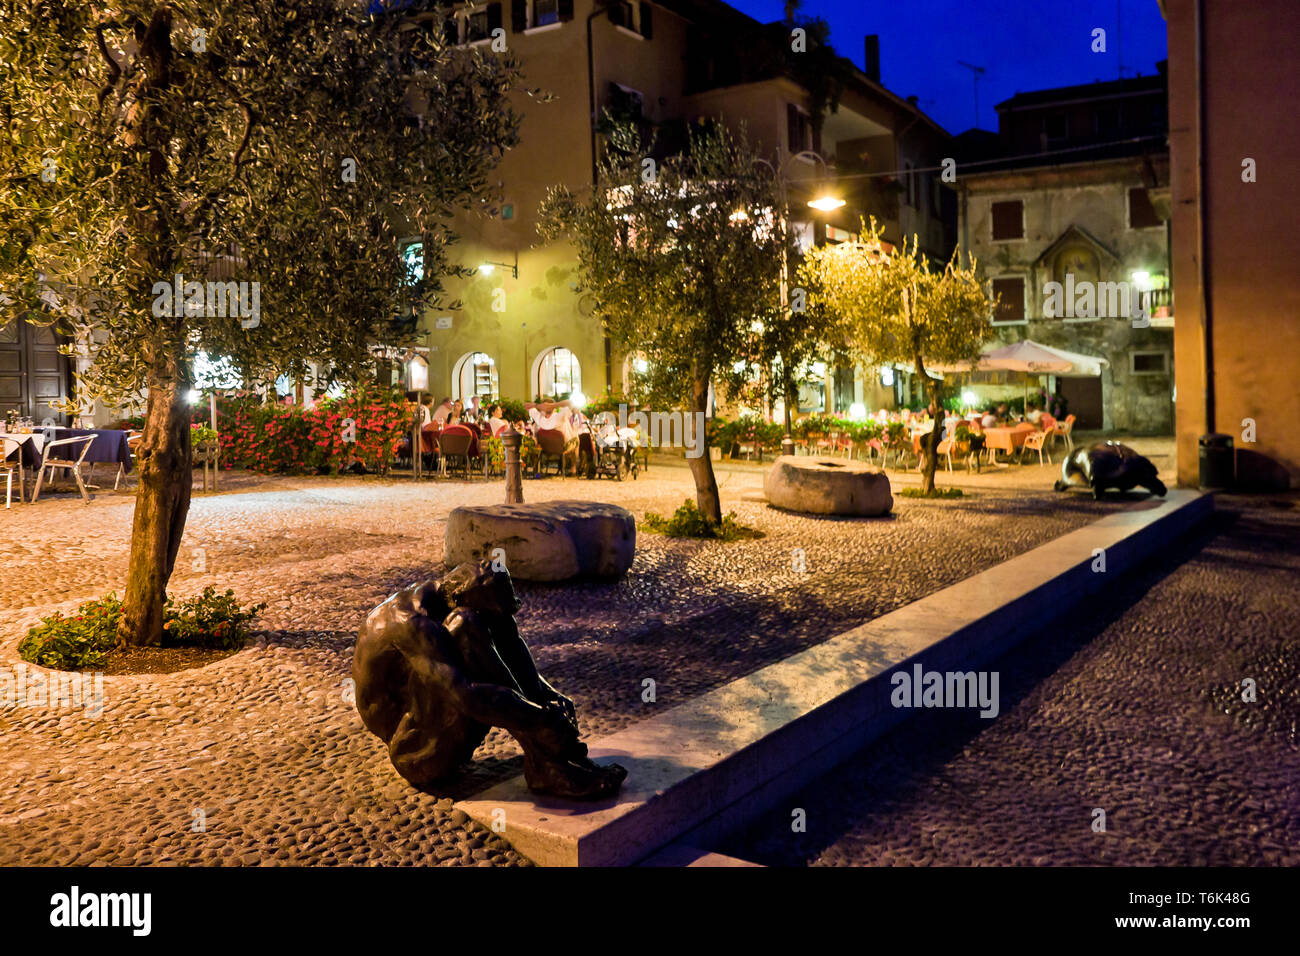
[871, 64]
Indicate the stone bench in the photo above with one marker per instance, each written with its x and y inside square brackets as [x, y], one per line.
[546, 541]
[815, 484]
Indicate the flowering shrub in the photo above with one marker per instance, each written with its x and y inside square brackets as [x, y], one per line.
[278, 439]
[84, 639]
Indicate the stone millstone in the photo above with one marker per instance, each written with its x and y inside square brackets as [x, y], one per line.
[546, 541]
[818, 485]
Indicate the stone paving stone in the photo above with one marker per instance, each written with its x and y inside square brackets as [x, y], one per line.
[257, 757]
[1134, 707]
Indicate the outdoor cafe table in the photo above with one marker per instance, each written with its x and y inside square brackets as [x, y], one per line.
[1008, 438]
[109, 446]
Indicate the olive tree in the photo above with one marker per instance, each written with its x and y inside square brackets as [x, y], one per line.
[892, 306]
[683, 258]
[291, 147]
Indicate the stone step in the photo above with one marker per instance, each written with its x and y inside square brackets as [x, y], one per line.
[706, 767]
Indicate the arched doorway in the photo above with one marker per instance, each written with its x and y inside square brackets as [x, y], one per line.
[557, 374]
[475, 373]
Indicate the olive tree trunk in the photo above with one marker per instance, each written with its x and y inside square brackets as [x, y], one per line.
[706, 483]
[930, 441]
[162, 501]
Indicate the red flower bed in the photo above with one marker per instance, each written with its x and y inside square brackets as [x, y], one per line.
[330, 436]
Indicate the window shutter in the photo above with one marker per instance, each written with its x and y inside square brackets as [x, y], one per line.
[647, 21]
[566, 9]
[493, 17]
[450, 31]
[792, 127]
[518, 16]
[816, 139]
[1141, 213]
[1008, 220]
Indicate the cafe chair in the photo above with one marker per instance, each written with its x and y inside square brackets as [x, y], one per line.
[9, 446]
[1037, 442]
[1064, 429]
[551, 445]
[49, 463]
[132, 440]
[454, 444]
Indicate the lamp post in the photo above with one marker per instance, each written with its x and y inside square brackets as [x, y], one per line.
[823, 203]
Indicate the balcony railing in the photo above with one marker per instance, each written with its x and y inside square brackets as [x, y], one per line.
[1162, 303]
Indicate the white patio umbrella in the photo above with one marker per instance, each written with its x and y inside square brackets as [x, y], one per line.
[1032, 358]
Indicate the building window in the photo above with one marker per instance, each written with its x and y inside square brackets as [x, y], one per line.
[1011, 300]
[798, 129]
[478, 24]
[620, 14]
[909, 179]
[1008, 220]
[558, 375]
[1056, 129]
[413, 256]
[545, 12]
[528, 15]
[1108, 122]
[1149, 363]
[1141, 214]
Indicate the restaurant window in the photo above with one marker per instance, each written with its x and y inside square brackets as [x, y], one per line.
[1011, 300]
[1141, 213]
[1008, 220]
[559, 375]
[476, 374]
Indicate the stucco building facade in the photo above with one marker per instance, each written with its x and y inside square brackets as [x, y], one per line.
[1072, 196]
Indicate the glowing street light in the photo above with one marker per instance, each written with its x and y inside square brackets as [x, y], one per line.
[826, 203]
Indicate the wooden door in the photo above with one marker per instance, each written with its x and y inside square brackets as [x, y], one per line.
[1084, 396]
[33, 375]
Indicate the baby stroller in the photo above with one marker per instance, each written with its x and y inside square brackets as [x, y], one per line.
[615, 457]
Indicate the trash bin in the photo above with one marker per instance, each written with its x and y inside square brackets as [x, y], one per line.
[1217, 462]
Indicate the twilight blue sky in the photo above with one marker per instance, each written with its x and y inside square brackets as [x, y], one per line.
[1022, 44]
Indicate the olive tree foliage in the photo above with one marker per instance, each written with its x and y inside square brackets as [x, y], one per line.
[891, 305]
[682, 257]
[263, 141]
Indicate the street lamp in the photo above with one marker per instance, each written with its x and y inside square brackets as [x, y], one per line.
[823, 203]
[487, 267]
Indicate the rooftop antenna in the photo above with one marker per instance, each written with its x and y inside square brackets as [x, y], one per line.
[976, 72]
[1119, 37]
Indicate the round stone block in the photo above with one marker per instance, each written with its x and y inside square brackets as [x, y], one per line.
[818, 485]
[545, 541]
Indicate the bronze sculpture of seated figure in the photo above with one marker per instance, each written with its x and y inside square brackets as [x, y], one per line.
[439, 664]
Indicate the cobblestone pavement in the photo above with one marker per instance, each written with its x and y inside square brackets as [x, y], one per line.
[258, 758]
[1134, 706]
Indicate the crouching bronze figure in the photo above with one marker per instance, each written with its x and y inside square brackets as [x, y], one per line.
[439, 664]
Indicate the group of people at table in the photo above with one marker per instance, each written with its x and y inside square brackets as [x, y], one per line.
[578, 434]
